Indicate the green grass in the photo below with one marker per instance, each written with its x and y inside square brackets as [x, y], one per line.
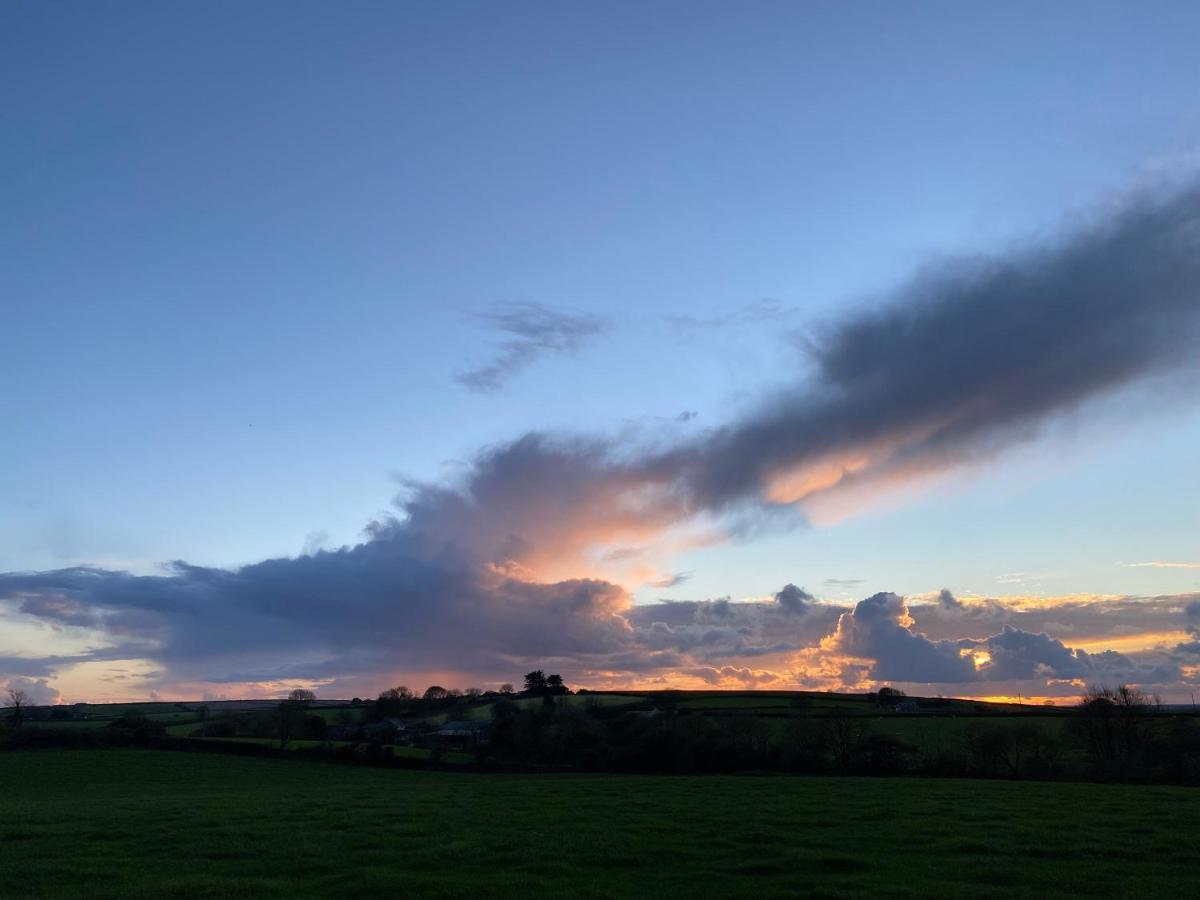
[158, 824]
[338, 715]
[454, 757]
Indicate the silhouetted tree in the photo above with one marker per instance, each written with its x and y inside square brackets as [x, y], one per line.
[392, 702]
[554, 684]
[17, 700]
[889, 696]
[1017, 750]
[1114, 723]
[300, 695]
[435, 692]
[507, 688]
[535, 682]
[289, 718]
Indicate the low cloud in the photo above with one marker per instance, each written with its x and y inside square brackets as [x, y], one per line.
[529, 332]
[37, 691]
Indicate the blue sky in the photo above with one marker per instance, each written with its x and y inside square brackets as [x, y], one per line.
[245, 250]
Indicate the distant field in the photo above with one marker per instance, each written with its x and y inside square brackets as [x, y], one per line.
[128, 823]
[449, 756]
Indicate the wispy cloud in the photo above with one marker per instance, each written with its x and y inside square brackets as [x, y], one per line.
[758, 312]
[531, 331]
[670, 581]
[1158, 564]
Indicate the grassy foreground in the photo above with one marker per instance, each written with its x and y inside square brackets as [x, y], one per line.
[131, 823]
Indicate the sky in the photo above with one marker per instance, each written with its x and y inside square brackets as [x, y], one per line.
[691, 344]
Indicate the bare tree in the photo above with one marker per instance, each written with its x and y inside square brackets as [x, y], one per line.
[17, 701]
[1115, 723]
[300, 695]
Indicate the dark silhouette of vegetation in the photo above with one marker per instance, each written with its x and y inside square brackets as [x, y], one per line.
[135, 728]
[1116, 734]
[535, 682]
[538, 683]
[886, 696]
[17, 700]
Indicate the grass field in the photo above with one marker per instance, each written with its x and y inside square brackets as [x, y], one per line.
[453, 757]
[128, 823]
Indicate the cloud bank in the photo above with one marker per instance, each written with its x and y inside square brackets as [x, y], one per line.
[511, 564]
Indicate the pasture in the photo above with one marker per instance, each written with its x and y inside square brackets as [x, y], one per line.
[144, 823]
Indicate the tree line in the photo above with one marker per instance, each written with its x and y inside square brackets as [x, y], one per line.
[1117, 734]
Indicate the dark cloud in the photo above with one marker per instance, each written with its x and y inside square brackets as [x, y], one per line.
[947, 600]
[1067, 619]
[1191, 614]
[878, 629]
[1016, 654]
[531, 332]
[971, 356]
[717, 630]
[793, 599]
[881, 630]
[60, 609]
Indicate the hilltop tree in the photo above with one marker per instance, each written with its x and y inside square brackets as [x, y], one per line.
[436, 692]
[289, 716]
[554, 684]
[507, 688]
[393, 702]
[535, 682]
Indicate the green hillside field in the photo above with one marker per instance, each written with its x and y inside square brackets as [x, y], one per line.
[152, 824]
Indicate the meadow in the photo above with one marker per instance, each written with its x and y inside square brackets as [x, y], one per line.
[146, 823]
